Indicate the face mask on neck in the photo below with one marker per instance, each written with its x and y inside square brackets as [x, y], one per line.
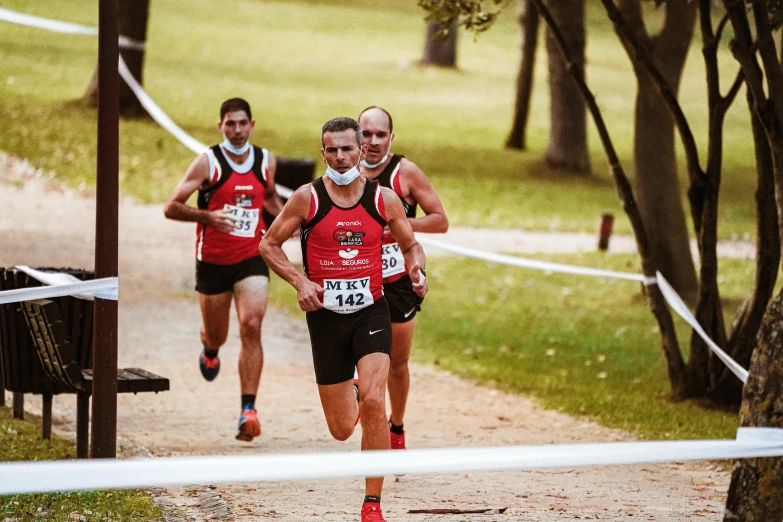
[342, 179]
[233, 150]
[383, 160]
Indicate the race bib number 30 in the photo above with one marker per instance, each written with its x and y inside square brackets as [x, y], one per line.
[245, 220]
[393, 261]
[346, 296]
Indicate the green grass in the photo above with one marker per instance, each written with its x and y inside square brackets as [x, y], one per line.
[301, 63]
[580, 345]
[21, 441]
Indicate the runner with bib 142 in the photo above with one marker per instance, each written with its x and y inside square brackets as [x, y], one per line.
[342, 217]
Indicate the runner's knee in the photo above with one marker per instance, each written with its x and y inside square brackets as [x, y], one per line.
[372, 406]
[341, 430]
[398, 368]
[250, 328]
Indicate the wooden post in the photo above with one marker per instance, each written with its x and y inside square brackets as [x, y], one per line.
[605, 231]
[46, 417]
[18, 405]
[82, 425]
[104, 346]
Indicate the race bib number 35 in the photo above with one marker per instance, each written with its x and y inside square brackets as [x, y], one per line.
[392, 259]
[245, 220]
[346, 296]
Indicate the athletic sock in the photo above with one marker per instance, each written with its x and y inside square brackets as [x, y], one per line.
[372, 498]
[209, 353]
[397, 430]
[248, 402]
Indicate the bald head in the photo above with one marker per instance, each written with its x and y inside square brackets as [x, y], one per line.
[378, 116]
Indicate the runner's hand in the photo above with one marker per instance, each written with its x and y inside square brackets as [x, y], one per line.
[420, 285]
[220, 221]
[310, 296]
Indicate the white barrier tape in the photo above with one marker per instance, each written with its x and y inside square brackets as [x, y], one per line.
[531, 263]
[63, 27]
[753, 433]
[54, 278]
[668, 292]
[45, 23]
[131, 44]
[157, 113]
[30, 477]
[45, 292]
[682, 310]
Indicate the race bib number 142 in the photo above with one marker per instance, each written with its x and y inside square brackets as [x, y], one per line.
[346, 296]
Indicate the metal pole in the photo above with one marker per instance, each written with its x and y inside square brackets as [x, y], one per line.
[104, 345]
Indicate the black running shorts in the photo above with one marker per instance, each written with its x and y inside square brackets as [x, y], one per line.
[214, 279]
[340, 340]
[403, 301]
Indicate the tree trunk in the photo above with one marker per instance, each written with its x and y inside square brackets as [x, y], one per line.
[756, 484]
[528, 20]
[655, 160]
[440, 50]
[567, 148]
[742, 338]
[134, 15]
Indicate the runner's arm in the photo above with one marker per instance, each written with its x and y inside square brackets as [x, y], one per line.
[272, 201]
[271, 248]
[177, 208]
[421, 190]
[403, 233]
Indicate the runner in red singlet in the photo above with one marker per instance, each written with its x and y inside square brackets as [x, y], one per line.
[235, 182]
[342, 217]
[414, 190]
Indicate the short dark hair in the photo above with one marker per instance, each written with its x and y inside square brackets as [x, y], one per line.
[233, 105]
[391, 125]
[342, 124]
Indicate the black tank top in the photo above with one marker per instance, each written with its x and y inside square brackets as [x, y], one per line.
[389, 178]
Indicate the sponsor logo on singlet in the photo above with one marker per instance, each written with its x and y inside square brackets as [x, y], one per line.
[348, 237]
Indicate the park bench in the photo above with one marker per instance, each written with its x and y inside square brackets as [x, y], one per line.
[54, 355]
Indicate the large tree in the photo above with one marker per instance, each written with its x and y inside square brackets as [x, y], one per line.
[440, 44]
[655, 161]
[528, 21]
[134, 15]
[567, 147]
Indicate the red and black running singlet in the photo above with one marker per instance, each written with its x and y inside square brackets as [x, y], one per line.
[341, 247]
[242, 195]
[393, 262]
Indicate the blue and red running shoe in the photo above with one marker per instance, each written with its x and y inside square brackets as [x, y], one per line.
[209, 366]
[249, 427]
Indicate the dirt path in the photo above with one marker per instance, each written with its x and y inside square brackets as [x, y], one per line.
[159, 324]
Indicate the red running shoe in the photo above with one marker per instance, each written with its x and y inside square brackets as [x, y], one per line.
[209, 366]
[397, 441]
[249, 427]
[371, 512]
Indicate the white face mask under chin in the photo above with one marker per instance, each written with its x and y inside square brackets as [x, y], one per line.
[383, 160]
[345, 178]
[233, 150]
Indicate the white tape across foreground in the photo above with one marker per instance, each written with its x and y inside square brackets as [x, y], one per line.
[101, 287]
[76, 475]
